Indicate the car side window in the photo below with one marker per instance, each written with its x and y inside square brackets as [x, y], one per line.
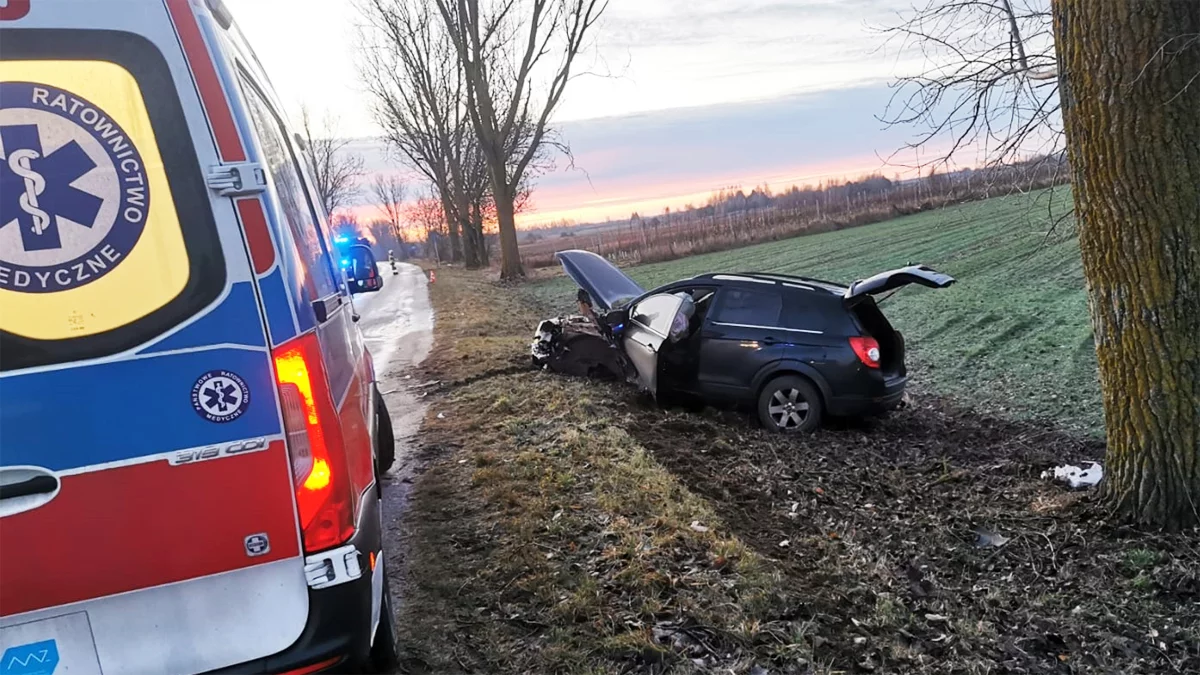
[804, 312]
[657, 312]
[294, 200]
[748, 307]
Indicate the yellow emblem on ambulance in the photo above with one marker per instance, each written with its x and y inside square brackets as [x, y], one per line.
[89, 237]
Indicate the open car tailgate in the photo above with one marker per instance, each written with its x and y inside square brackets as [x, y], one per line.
[893, 279]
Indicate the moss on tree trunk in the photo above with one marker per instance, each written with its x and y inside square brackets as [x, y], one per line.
[1130, 76]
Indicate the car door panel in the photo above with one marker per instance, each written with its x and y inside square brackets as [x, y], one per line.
[641, 345]
[649, 325]
[740, 336]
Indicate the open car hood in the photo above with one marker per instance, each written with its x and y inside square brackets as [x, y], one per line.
[608, 286]
[892, 279]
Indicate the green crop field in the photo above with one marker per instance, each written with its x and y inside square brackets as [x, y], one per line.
[1012, 337]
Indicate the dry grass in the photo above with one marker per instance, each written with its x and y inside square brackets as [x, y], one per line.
[543, 538]
[564, 527]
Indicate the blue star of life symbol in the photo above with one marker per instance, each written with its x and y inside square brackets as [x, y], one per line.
[220, 395]
[35, 188]
[74, 190]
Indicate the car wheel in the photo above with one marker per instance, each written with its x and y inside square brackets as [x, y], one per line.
[385, 651]
[790, 404]
[385, 440]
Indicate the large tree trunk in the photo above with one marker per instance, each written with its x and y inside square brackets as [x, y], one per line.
[470, 245]
[510, 253]
[1133, 131]
[477, 233]
[452, 229]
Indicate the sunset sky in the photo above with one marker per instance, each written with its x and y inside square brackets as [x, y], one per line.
[689, 96]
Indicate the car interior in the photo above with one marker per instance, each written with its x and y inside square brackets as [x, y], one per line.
[679, 361]
[874, 323]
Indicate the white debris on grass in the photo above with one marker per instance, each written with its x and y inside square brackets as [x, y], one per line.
[1076, 477]
[543, 338]
[987, 539]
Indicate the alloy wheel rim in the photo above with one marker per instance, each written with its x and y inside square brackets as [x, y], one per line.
[787, 409]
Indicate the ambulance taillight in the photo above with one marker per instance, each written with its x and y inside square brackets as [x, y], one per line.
[319, 469]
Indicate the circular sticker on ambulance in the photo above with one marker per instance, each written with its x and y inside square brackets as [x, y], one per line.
[73, 190]
[220, 396]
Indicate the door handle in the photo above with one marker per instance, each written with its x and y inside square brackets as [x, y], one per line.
[30, 486]
[26, 487]
[769, 340]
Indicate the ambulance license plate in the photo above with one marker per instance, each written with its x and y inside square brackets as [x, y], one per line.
[59, 645]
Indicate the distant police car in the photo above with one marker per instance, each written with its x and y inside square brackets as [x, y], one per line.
[357, 263]
[191, 438]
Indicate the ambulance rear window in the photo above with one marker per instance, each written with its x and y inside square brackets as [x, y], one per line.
[107, 237]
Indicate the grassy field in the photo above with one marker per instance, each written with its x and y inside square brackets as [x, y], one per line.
[1012, 337]
[558, 525]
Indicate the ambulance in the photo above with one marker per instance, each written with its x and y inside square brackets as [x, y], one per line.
[191, 435]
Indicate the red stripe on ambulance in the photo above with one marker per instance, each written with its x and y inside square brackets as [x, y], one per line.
[254, 223]
[216, 105]
[101, 524]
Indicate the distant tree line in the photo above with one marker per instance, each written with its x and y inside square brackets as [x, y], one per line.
[732, 217]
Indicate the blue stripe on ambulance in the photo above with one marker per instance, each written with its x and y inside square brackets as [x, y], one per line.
[123, 410]
[234, 320]
[305, 316]
[277, 306]
[340, 364]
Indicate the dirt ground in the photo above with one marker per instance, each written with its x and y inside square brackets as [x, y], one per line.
[565, 526]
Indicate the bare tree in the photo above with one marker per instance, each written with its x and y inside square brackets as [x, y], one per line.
[426, 213]
[335, 171]
[517, 57]
[989, 88]
[347, 224]
[411, 70]
[389, 191]
[1126, 74]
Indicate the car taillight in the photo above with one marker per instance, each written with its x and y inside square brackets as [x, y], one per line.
[867, 349]
[319, 469]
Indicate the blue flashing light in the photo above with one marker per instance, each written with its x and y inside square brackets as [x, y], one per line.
[345, 262]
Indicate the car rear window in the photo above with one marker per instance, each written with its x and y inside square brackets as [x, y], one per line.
[805, 310]
[106, 234]
[748, 306]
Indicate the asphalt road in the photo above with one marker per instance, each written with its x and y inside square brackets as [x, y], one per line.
[397, 325]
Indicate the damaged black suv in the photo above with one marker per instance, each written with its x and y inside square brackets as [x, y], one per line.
[794, 347]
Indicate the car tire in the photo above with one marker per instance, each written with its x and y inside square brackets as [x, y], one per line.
[790, 404]
[385, 439]
[385, 650]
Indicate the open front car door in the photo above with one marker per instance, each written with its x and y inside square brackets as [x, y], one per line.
[648, 328]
